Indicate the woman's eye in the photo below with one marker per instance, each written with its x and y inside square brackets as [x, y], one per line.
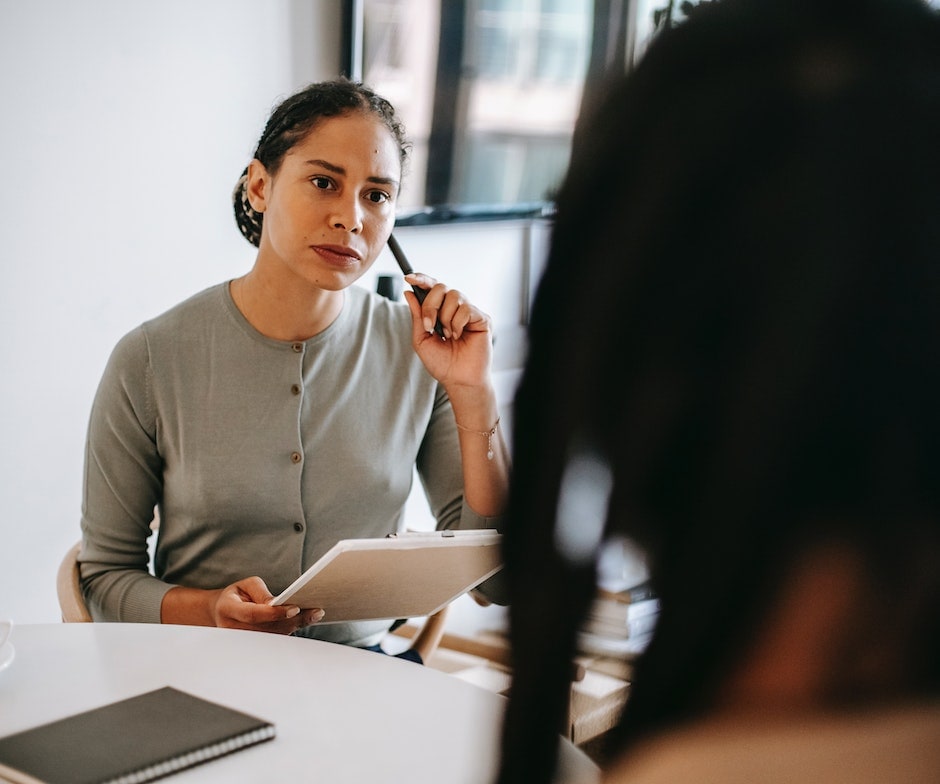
[323, 183]
[377, 197]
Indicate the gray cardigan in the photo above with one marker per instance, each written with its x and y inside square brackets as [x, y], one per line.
[260, 454]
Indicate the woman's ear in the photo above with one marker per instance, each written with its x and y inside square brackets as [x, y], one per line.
[257, 185]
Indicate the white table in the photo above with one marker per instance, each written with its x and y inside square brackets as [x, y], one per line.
[342, 714]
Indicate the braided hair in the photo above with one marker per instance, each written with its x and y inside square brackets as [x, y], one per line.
[739, 318]
[293, 119]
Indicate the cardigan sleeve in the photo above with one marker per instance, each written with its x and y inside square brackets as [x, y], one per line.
[122, 485]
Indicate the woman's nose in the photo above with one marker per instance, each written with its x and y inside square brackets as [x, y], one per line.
[347, 216]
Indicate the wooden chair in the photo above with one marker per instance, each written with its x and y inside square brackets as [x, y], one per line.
[69, 588]
[74, 610]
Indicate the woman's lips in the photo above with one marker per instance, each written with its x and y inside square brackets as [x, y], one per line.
[338, 254]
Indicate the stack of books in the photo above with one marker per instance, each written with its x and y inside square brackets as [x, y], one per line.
[620, 622]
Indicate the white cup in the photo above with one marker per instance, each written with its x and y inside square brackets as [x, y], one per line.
[5, 628]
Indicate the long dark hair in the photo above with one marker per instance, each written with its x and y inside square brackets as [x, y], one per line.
[740, 319]
[294, 118]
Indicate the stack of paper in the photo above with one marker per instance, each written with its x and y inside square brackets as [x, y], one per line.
[621, 622]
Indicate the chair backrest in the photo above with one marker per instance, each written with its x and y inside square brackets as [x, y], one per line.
[69, 588]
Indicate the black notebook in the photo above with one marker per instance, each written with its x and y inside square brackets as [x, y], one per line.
[128, 742]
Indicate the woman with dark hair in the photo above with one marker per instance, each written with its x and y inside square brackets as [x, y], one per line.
[735, 364]
[272, 415]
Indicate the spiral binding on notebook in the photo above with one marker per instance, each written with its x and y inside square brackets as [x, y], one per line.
[196, 757]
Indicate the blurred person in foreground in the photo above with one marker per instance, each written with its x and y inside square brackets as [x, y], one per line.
[735, 364]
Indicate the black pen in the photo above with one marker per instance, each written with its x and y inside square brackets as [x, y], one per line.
[406, 269]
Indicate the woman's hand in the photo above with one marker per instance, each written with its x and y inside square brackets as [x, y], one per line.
[241, 605]
[463, 357]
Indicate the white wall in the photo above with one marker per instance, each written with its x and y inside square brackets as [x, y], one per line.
[124, 126]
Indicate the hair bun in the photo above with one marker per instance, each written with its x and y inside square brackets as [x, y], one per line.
[248, 220]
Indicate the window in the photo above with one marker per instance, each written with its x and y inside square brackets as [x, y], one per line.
[489, 91]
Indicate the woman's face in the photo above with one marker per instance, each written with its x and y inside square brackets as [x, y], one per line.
[331, 206]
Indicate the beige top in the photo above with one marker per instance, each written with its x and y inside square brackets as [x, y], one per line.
[899, 745]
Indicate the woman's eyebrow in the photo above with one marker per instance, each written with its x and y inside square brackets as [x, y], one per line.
[332, 167]
[326, 165]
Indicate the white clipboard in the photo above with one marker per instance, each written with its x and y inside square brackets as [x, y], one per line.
[406, 575]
